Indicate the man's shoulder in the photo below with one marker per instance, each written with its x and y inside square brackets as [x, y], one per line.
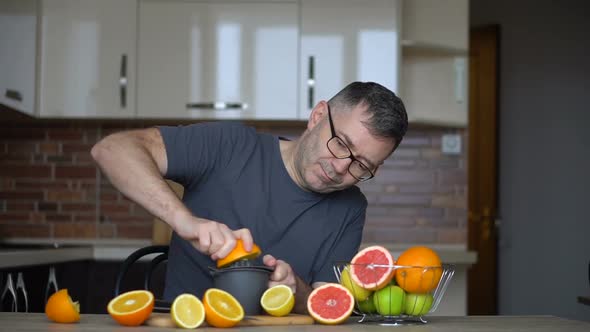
[227, 125]
[215, 125]
[238, 130]
[352, 197]
[225, 130]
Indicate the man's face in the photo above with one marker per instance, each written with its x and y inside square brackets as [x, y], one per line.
[317, 167]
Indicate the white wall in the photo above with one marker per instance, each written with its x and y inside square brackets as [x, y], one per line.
[544, 180]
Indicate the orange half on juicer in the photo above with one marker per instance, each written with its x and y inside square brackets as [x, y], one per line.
[238, 254]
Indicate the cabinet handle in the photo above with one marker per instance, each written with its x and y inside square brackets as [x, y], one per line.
[51, 286]
[8, 299]
[21, 291]
[310, 81]
[14, 95]
[123, 81]
[460, 64]
[218, 105]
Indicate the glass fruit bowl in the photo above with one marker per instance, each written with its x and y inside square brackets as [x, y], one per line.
[394, 294]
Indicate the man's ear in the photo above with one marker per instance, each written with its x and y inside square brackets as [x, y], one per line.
[317, 114]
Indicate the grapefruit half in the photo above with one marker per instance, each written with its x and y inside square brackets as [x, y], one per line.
[372, 268]
[330, 304]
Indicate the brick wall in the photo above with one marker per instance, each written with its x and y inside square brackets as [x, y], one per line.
[50, 187]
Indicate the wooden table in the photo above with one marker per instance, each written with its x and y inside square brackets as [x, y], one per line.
[35, 322]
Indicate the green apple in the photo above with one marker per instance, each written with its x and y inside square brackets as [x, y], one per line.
[418, 304]
[359, 293]
[367, 306]
[389, 301]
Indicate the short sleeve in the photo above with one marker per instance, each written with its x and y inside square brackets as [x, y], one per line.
[196, 151]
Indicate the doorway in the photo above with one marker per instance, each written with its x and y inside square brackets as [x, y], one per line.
[482, 170]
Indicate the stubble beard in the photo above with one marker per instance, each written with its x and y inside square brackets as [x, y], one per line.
[305, 154]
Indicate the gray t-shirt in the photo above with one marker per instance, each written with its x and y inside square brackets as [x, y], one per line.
[234, 175]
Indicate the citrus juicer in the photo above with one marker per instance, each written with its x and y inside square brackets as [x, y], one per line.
[244, 276]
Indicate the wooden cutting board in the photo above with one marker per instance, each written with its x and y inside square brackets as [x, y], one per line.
[164, 320]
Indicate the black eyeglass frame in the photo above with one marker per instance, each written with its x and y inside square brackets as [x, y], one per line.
[350, 155]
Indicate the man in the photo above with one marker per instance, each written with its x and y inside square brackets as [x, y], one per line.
[295, 199]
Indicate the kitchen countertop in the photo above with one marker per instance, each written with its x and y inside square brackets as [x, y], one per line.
[88, 323]
[20, 252]
[16, 253]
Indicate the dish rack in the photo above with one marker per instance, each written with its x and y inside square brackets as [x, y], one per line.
[446, 273]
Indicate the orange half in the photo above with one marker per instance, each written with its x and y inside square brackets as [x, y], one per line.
[239, 253]
[61, 309]
[221, 308]
[132, 308]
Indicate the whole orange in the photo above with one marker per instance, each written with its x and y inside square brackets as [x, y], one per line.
[419, 270]
[61, 309]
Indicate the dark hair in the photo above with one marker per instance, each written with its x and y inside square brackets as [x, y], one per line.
[388, 117]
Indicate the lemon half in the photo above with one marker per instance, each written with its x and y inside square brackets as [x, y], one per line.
[278, 300]
[187, 311]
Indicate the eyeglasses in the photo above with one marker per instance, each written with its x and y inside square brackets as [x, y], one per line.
[340, 150]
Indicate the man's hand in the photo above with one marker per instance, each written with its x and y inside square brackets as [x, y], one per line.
[211, 237]
[284, 275]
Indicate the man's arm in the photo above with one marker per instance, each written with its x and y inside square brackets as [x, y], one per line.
[135, 162]
[302, 293]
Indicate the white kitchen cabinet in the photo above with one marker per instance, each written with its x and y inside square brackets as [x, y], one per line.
[435, 89]
[218, 59]
[344, 41]
[87, 58]
[434, 67]
[436, 24]
[18, 24]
